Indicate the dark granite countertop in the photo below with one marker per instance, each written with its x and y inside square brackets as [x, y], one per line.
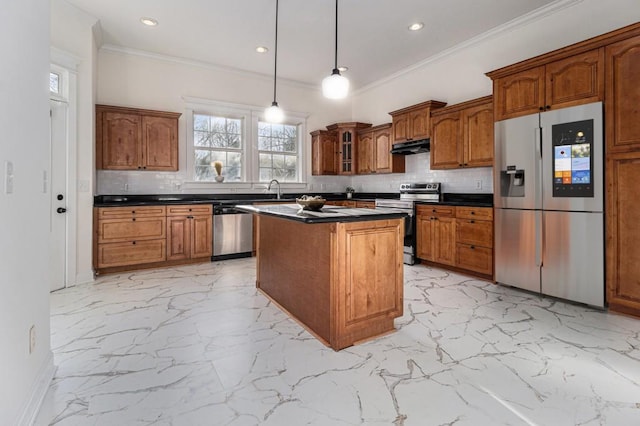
[216, 199]
[327, 214]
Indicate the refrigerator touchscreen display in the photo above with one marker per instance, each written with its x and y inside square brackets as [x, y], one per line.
[572, 160]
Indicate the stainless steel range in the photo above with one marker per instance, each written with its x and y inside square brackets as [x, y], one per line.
[409, 194]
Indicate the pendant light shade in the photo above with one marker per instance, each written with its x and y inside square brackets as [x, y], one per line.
[335, 86]
[274, 114]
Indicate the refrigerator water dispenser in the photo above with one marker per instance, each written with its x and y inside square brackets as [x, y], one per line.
[512, 182]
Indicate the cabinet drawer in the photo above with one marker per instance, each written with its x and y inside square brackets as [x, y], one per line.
[475, 232]
[137, 228]
[426, 210]
[481, 213]
[474, 258]
[131, 253]
[190, 209]
[130, 212]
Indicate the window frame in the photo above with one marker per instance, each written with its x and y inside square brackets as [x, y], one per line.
[250, 116]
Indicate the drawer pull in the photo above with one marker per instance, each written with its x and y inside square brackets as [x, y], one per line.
[133, 220]
[472, 212]
[473, 247]
[133, 212]
[134, 243]
[472, 221]
[433, 211]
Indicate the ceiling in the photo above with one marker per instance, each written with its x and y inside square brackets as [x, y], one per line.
[374, 41]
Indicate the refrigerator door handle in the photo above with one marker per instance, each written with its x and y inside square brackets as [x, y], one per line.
[537, 168]
[539, 238]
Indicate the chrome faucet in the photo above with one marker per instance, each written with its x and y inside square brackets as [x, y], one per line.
[269, 187]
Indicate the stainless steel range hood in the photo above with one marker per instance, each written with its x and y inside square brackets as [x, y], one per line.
[411, 147]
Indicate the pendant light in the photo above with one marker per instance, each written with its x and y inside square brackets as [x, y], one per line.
[335, 86]
[274, 113]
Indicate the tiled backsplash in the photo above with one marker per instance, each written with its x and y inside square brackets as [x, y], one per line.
[417, 170]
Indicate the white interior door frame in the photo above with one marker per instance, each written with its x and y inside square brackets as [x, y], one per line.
[66, 64]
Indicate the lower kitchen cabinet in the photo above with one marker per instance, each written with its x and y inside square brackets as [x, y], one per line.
[135, 237]
[436, 234]
[461, 237]
[126, 236]
[189, 232]
[474, 236]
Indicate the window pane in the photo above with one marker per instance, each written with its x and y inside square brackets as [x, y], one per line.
[217, 139]
[200, 122]
[274, 141]
[54, 82]
[201, 138]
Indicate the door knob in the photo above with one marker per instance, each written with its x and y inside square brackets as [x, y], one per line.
[61, 210]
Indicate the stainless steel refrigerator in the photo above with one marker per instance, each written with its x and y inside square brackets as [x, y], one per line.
[548, 198]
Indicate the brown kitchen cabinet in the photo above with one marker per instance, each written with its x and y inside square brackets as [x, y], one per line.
[462, 135]
[622, 127]
[324, 152]
[347, 142]
[414, 122]
[189, 232]
[474, 239]
[342, 203]
[436, 234]
[128, 236]
[366, 204]
[136, 139]
[574, 80]
[373, 152]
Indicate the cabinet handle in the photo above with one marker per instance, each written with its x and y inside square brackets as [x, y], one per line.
[472, 247]
[133, 212]
[472, 212]
[139, 167]
[134, 243]
[459, 164]
[472, 221]
[541, 108]
[433, 211]
[189, 217]
[548, 107]
[133, 220]
[145, 167]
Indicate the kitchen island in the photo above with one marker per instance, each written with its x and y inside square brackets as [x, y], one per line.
[339, 271]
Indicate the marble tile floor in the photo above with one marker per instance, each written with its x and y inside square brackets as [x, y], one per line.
[198, 345]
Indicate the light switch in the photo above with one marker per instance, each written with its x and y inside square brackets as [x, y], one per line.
[8, 177]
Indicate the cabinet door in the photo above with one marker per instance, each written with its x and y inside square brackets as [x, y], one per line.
[622, 114]
[201, 236]
[324, 153]
[385, 162]
[160, 143]
[445, 141]
[347, 141]
[178, 237]
[424, 237]
[365, 153]
[400, 125]
[519, 94]
[576, 80]
[121, 141]
[419, 124]
[623, 233]
[444, 236]
[477, 136]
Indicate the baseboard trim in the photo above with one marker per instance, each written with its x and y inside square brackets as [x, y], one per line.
[38, 392]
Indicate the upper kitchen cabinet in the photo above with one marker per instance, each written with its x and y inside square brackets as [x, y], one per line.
[373, 152]
[540, 84]
[136, 139]
[622, 114]
[462, 135]
[347, 136]
[414, 122]
[324, 152]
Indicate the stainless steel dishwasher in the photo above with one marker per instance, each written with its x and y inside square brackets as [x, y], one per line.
[232, 233]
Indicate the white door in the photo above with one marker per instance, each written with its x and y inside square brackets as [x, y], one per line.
[58, 171]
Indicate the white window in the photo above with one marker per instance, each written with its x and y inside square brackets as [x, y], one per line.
[54, 83]
[250, 150]
[217, 139]
[278, 146]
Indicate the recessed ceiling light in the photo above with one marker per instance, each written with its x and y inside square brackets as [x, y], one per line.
[150, 22]
[343, 69]
[416, 26]
[262, 49]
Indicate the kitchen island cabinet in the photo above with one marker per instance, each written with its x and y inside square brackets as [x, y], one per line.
[341, 277]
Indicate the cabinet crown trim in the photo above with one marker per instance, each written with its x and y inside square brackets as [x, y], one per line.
[139, 111]
[463, 105]
[432, 104]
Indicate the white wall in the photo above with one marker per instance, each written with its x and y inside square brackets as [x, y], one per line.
[24, 214]
[72, 32]
[459, 75]
[160, 83]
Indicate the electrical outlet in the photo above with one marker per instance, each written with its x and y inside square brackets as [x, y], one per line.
[8, 177]
[479, 184]
[32, 339]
